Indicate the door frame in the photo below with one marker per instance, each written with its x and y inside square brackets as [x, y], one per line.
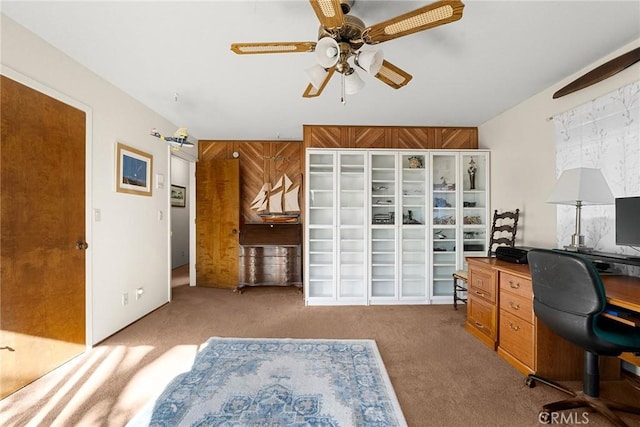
[191, 194]
[46, 90]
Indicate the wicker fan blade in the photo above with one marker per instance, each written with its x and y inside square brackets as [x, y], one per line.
[392, 75]
[329, 13]
[312, 92]
[438, 13]
[273, 47]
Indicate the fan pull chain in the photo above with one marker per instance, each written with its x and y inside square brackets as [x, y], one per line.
[343, 99]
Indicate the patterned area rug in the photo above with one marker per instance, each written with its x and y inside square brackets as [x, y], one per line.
[279, 382]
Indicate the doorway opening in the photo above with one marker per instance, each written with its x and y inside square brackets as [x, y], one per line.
[182, 196]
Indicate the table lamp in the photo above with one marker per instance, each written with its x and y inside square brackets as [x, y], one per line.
[579, 187]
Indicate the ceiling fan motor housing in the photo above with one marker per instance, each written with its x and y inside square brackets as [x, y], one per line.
[350, 33]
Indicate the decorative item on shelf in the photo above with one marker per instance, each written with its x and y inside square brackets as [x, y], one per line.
[416, 162]
[388, 218]
[380, 188]
[440, 202]
[469, 204]
[444, 220]
[278, 204]
[442, 186]
[383, 202]
[179, 138]
[472, 174]
[438, 234]
[472, 220]
[409, 219]
[177, 141]
[578, 187]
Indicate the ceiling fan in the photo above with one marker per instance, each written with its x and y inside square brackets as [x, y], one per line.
[341, 37]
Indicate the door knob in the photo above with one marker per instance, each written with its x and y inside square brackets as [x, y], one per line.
[80, 245]
[234, 231]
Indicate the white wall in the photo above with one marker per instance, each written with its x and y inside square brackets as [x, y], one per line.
[180, 216]
[522, 144]
[129, 246]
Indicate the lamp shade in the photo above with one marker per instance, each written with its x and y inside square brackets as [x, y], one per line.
[586, 185]
[352, 83]
[327, 52]
[317, 75]
[370, 61]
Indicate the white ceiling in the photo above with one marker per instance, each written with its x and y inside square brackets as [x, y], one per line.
[464, 73]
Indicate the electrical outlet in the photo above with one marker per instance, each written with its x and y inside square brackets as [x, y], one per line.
[125, 299]
[139, 293]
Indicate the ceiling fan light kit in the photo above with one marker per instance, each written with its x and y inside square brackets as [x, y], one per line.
[317, 75]
[341, 36]
[369, 60]
[352, 83]
[327, 52]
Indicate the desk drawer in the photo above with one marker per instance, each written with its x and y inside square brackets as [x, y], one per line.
[516, 285]
[481, 284]
[517, 305]
[482, 316]
[516, 338]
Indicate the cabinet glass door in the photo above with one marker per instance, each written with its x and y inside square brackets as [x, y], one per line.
[474, 204]
[383, 189]
[444, 175]
[413, 254]
[383, 229]
[351, 256]
[320, 262]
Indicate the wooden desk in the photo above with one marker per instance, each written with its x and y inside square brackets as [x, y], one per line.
[500, 314]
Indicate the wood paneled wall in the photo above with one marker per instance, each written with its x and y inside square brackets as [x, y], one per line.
[398, 137]
[260, 162]
[266, 161]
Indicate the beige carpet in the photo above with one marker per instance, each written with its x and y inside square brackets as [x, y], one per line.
[180, 276]
[441, 374]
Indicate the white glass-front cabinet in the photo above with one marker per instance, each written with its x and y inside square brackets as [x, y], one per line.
[413, 228]
[320, 260]
[336, 233]
[476, 220]
[391, 226]
[351, 228]
[445, 174]
[398, 240]
[384, 235]
[460, 195]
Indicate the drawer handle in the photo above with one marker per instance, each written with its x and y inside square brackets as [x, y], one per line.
[514, 306]
[514, 285]
[515, 328]
[480, 293]
[479, 325]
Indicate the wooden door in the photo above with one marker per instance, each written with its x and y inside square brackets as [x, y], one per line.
[42, 217]
[217, 222]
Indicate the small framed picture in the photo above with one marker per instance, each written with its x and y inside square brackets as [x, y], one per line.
[133, 170]
[178, 196]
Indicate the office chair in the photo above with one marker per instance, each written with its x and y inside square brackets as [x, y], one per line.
[503, 233]
[569, 299]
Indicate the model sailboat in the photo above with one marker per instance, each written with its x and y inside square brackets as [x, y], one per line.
[279, 203]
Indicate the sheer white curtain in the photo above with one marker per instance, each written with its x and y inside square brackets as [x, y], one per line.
[603, 133]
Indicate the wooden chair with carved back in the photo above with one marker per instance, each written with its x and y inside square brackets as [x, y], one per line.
[503, 233]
